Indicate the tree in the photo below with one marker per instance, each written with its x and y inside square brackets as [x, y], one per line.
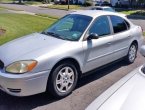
[20, 1]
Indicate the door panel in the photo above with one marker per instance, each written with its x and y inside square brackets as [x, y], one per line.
[97, 52]
[121, 44]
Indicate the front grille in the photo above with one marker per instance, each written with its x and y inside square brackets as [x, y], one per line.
[1, 65]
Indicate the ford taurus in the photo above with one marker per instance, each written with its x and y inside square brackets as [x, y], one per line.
[54, 59]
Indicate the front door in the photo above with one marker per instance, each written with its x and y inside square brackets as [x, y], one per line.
[98, 51]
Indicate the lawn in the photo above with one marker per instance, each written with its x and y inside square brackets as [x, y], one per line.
[64, 7]
[144, 33]
[6, 1]
[1, 8]
[133, 12]
[48, 16]
[18, 25]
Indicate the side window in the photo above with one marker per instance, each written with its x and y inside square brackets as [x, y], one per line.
[100, 27]
[118, 23]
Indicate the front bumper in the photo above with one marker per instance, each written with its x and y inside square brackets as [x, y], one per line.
[24, 84]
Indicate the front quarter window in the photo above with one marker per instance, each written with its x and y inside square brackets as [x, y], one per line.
[71, 27]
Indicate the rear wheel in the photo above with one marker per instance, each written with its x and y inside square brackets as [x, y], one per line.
[63, 80]
[130, 58]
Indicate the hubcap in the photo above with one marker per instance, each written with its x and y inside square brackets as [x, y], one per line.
[65, 79]
[132, 53]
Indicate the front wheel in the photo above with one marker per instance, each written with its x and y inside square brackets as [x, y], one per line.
[130, 58]
[63, 80]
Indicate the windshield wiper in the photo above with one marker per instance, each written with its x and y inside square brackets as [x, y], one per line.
[54, 35]
[50, 33]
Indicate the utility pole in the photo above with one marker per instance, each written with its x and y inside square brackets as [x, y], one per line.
[68, 4]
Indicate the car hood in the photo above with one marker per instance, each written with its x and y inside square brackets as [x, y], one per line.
[127, 94]
[24, 45]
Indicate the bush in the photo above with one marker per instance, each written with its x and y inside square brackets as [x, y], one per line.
[88, 3]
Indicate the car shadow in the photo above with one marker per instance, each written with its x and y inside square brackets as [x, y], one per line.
[8, 102]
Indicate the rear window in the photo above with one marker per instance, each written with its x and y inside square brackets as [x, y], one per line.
[118, 23]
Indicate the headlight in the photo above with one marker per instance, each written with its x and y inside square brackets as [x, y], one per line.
[21, 66]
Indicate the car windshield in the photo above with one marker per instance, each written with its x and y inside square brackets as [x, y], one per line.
[109, 9]
[70, 27]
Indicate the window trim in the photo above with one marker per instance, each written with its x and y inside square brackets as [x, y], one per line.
[86, 33]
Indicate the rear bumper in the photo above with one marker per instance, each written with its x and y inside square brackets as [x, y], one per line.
[24, 84]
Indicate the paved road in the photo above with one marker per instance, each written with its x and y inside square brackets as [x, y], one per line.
[140, 22]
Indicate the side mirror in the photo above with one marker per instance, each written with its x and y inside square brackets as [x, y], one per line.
[93, 36]
[142, 50]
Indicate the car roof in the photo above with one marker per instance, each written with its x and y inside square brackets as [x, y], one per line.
[102, 7]
[95, 13]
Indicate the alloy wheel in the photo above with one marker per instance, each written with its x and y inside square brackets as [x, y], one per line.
[65, 79]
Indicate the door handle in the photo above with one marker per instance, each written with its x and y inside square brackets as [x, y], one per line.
[109, 43]
[128, 36]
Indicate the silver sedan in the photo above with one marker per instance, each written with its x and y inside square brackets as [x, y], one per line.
[54, 59]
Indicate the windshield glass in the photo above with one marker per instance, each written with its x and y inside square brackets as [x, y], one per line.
[70, 27]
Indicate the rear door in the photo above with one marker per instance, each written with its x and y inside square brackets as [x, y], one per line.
[121, 36]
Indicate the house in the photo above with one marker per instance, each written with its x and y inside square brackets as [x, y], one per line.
[78, 1]
[124, 3]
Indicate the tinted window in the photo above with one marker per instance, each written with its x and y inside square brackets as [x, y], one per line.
[118, 23]
[101, 26]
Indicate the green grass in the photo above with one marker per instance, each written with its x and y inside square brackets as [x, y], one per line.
[129, 12]
[18, 25]
[65, 7]
[133, 12]
[48, 16]
[6, 1]
[10, 8]
[1, 9]
[144, 33]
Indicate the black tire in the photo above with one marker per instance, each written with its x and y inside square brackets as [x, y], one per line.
[128, 57]
[53, 87]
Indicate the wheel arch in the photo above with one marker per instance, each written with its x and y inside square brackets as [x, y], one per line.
[135, 42]
[73, 60]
